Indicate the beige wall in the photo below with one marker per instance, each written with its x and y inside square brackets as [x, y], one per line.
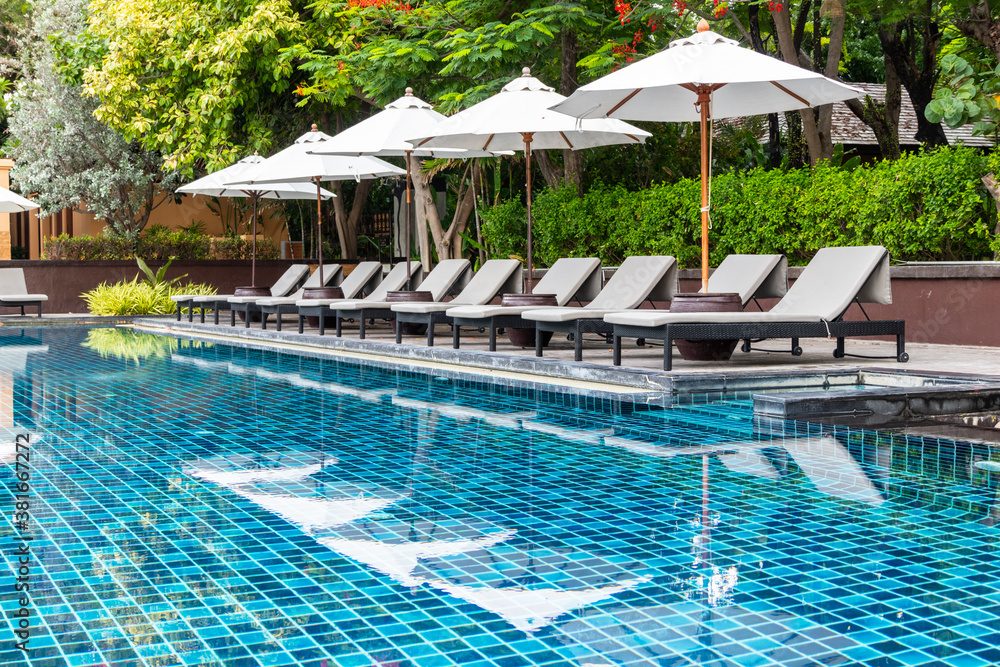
[170, 215]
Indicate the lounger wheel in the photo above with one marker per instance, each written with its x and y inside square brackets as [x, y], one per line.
[903, 357]
[838, 354]
[797, 351]
[641, 342]
[745, 346]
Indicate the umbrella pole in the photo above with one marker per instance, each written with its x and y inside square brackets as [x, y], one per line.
[527, 156]
[253, 255]
[319, 227]
[408, 155]
[704, 98]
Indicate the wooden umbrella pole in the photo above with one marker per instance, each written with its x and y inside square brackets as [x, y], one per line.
[319, 226]
[528, 136]
[253, 255]
[408, 155]
[704, 98]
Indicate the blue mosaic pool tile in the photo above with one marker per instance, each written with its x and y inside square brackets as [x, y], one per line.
[517, 497]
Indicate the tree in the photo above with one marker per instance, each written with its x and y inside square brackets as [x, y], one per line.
[199, 82]
[62, 151]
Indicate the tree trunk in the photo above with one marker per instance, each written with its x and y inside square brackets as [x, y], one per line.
[448, 242]
[981, 27]
[883, 117]
[773, 133]
[424, 207]
[899, 43]
[347, 223]
[572, 160]
[833, 54]
[992, 187]
[790, 54]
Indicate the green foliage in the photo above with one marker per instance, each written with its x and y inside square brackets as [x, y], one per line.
[158, 244]
[135, 297]
[924, 206]
[504, 228]
[159, 278]
[965, 96]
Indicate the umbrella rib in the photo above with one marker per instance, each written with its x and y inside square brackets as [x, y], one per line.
[566, 139]
[622, 103]
[785, 90]
[487, 144]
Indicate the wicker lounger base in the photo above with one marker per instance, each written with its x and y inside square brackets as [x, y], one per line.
[575, 327]
[430, 319]
[10, 303]
[277, 311]
[668, 333]
[214, 306]
[322, 312]
[489, 323]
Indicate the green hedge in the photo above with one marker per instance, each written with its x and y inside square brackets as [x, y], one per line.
[157, 244]
[925, 206]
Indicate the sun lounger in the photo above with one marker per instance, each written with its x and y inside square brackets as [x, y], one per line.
[332, 275]
[364, 278]
[323, 308]
[293, 276]
[497, 276]
[655, 279]
[814, 307]
[636, 280]
[14, 291]
[447, 276]
[577, 277]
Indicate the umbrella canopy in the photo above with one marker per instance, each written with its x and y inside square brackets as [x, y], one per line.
[700, 77]
[298, 164]
[518, 118]
[385, 134]
[11, 202]
[214, 185]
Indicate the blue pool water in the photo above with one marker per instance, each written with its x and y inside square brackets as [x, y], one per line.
[210, 505]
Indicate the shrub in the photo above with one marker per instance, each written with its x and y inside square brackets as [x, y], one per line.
[135, 297]
[157, 244]
[236, 247]
[925, 206]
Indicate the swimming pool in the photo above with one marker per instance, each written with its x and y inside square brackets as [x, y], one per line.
[212, 505]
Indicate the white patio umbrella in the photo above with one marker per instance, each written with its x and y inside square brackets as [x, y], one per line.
[298, 163]
[697, 78]
[518, 118]
[11, 202]
[214, 185]
[385, 134]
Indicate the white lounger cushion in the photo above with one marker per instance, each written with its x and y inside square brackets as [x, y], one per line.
[638, 278]
[823, 292]
[23, 297]
[282, 287]
[750, 276]
[438, 282]
[330, 273]
[395, 280]
[567, 277]
[496, 275]
[656, 318]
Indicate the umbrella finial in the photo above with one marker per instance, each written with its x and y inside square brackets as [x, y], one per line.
[702, 25]
[315, 128]
[409, 92]
[525, 71]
